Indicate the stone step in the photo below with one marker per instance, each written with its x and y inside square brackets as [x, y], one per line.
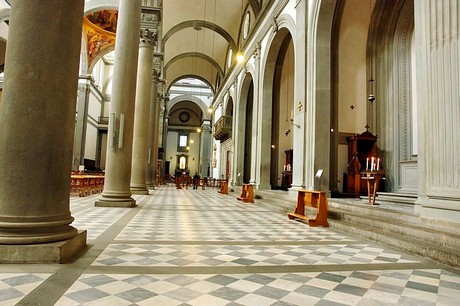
[365, 209]
[436, 252]
[399, 226]
[400, 198]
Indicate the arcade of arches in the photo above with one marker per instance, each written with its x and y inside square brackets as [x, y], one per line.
[324, 85]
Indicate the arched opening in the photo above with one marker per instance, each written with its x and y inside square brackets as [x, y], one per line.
[243, 132]
[281, 138]
[278, 101]
[186, 138]
[248, 133]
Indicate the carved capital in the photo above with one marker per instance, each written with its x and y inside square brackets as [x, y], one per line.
[155, 75]
[148, 37]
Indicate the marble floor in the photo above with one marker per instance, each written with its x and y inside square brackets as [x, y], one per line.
[198, 247]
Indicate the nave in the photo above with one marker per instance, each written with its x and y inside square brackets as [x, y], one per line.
[198, 247]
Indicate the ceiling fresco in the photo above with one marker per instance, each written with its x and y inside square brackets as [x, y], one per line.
[106, 19]
[99, 28]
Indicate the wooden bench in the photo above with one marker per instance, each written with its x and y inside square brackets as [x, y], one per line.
[223, 187]
[247, 194]
[85, 185]
[316, 199]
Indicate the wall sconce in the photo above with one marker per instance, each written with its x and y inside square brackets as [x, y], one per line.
[198, 130]
[371, 98]
[240, 57]
[294, 124]
[292, 121]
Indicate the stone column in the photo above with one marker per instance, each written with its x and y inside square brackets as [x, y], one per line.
[37, 120]
[164, 135]
[84, 89]
[155, 139]
[152, 129]
[437, 49]
[120, 135]
[141, 113]
[205, 148]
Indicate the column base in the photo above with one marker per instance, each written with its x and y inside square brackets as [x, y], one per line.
[54, 252]
[140, 191]
[110, 203]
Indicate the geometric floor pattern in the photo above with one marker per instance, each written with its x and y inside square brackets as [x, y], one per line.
[198, 247]
[246, 255]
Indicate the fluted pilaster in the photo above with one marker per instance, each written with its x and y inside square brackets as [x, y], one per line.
[438, 66]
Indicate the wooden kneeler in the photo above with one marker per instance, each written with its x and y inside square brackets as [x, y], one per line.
[316, 199]
[247, 194]
[223, 187]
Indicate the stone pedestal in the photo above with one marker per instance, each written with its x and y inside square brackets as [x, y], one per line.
[117, 191]
[37, 118]
[54, 252]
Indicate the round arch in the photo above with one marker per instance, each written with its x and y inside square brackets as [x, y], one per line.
[243, 132]
[5, 14]
[200, 23]
[270, 78]
[192, 76]
[197, 55]
[192, 98]
[92, 6]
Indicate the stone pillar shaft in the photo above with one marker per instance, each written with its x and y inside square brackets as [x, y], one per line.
[141, 115]
[155, 140]
[152, 130]
[84, 89]
[119, 148]
[37, 118]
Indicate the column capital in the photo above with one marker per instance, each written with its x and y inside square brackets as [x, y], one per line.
[148, 37]
[155, 75]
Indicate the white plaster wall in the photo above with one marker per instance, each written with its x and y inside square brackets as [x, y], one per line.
[352, 76]
[103, 151]
[91, 139]
[94, 107]
[171, 151]
[352, 67]
[286, 107]
[3, 31]
[194, 152]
